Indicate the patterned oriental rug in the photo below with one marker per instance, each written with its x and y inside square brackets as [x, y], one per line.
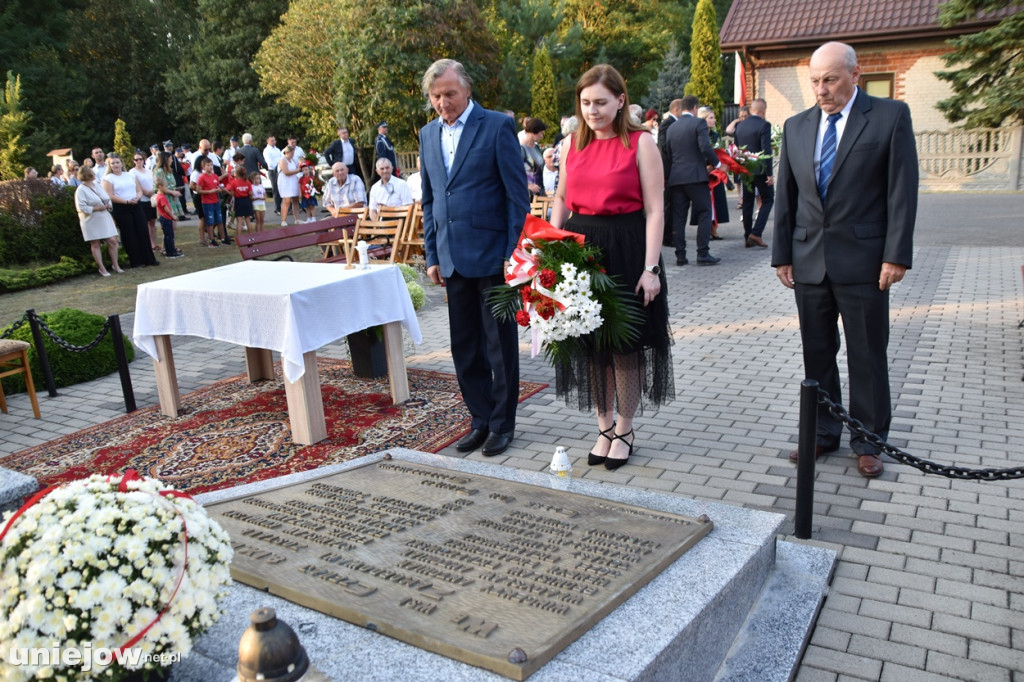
[234, 432]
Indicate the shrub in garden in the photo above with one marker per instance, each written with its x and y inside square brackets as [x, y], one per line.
[39, 225]
[77, 328]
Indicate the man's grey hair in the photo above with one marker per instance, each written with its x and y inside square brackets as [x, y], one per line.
[246, 138]
[570, 125]
[438, 69]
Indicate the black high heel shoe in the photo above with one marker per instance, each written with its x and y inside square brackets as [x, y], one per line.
[594, 460]
[611, 464]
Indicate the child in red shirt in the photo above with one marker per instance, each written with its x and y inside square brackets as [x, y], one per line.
[241, 190]
[307, 187]
[208, 186]
[167, 219]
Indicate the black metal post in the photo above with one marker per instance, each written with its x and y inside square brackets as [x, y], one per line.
[44, 359]
[122, 363]
[805, 461]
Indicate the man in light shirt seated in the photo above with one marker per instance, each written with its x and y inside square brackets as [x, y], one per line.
[550, 172]
[389, 190]
[343, 190]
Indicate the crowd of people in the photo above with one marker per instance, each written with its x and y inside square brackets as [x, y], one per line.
[617, 175]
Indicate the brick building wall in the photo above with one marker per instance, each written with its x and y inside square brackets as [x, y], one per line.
[783, 80]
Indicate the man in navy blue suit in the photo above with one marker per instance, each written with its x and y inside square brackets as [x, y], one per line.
[475, 202]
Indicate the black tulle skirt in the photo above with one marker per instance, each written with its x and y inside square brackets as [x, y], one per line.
[582, 381]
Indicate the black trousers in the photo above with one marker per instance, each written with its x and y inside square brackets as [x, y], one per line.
[865, 313]
[767, 194]
[485, 352]
[131, 223]
[273, 184]
[698, 194]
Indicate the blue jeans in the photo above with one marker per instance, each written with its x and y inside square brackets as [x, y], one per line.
[213, 214]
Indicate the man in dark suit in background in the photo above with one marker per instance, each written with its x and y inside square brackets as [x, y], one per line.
[688, 154]
[675, 110]
[345, 151]
[844, 226]
[475, 202]
[755, 134]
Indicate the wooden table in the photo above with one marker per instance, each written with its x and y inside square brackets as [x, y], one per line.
[291, 308]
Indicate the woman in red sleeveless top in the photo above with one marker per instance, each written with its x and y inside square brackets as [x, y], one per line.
[611, 191]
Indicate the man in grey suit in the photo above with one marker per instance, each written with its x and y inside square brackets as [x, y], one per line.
[844, 226]
[688, 155]
[475, 202]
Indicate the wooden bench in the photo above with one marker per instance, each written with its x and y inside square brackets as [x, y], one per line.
[278, 241]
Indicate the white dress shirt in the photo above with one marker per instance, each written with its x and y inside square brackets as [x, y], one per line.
[450, 136]
[395, 193]
[840, 127]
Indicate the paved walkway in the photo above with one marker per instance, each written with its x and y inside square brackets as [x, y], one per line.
[930, 583]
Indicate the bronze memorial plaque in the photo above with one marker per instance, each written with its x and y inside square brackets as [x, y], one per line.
[497, 574]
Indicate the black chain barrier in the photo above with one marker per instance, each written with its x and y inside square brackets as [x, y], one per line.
[112, 325]
[20, 322]
[962, 473]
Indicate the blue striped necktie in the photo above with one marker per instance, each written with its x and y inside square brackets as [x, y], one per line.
[828, 154]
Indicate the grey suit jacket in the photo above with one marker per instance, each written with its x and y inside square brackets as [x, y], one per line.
[871, 206]
[688, 151]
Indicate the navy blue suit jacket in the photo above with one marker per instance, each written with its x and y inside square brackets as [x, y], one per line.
[472, 217]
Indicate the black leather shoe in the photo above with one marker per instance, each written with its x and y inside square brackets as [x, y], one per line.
[496, 444]
[682, 261]
[472, 440]
[708, 260]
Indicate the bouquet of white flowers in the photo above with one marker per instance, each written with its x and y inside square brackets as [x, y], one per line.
[121, 571]
[555, 286]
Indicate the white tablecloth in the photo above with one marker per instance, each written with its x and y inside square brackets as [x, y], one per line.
[292, 308]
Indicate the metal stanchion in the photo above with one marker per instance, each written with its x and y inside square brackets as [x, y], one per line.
[122, 363]
[44, 359]
[805, 462]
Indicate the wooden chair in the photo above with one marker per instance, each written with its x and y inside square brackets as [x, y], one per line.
[336, 249]
[541, 206]
[411, 243]
[14, 360]
[380, 235]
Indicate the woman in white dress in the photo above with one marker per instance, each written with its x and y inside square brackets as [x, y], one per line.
[288, 184]
[94, 207]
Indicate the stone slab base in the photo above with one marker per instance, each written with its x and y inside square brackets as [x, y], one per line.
[739, 605]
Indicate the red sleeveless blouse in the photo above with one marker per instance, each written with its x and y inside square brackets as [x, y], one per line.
[604, 179]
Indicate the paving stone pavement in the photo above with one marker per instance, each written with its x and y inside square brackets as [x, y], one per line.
[930, 582]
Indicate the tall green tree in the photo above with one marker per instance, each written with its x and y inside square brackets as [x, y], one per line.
[545, 100]
[671, 81]
[631, 35]
[125, 48]
[987, 74]
[520, 27]
[706, 59]
[123, 143]
[298, 70]
[215, 90]
[383, 51]
[13, 122]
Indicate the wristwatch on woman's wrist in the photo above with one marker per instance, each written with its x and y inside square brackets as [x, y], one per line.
[653, 269]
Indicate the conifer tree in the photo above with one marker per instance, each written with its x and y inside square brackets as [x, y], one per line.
[706, 59]
[671, 81]
[988, 76]
[13, 122]
[545, 99]
[123, 144]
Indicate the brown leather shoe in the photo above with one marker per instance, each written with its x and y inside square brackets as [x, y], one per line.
[819, 450]
[869, 466]
[754, 240]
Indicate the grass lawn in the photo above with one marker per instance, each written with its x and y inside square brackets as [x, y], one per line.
[116, 294]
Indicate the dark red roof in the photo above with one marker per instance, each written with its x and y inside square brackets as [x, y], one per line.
[790, 23]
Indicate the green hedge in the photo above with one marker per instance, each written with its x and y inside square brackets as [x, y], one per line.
[77, 328]
[39, 224]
